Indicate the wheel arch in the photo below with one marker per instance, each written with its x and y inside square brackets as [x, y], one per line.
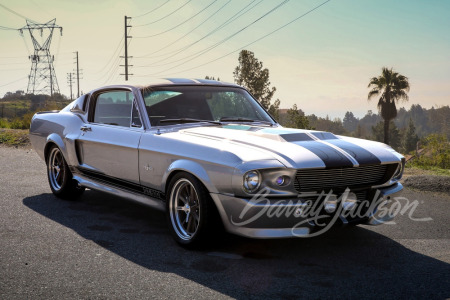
[190, 167]
[54, 139]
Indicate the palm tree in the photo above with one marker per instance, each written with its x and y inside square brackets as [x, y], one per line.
[391, 87]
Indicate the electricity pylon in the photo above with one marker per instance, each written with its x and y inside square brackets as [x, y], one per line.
[42, 78]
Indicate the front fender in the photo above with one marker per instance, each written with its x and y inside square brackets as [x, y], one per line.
[192, 167]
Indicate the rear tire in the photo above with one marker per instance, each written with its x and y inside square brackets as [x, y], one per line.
[191, 213]
[59, 176]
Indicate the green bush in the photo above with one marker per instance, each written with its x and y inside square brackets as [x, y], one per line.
[4, 123]
[19, 123]
[436, 153]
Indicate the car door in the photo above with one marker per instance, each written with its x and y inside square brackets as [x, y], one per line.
[107, 147]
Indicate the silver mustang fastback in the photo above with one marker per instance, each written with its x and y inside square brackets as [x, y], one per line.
[208, 154]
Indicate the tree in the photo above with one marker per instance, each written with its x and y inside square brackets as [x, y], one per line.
[326, 124]
[391, 87]
[360, 131]
[410, 138]
[296, 118]
[350, 122]
[378, 134]
[251, 75]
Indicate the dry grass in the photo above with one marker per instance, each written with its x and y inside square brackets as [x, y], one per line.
[14, 137]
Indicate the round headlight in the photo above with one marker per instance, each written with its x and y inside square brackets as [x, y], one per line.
[251, 181]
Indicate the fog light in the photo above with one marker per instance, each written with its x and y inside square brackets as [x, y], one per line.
[330, 204]
[282, 180]
[350, 202]
[298, 212]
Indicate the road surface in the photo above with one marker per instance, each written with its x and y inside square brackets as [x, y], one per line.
[104, 247]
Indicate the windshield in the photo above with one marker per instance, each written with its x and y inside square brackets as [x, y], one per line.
[183, 104]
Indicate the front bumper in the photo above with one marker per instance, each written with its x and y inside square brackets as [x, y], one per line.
[264, 217]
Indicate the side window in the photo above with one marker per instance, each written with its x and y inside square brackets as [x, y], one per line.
[114, 108]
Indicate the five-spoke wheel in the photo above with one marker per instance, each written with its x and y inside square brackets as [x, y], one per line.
[60, 177]
[56, 169]
[184, 209]
[190, 210]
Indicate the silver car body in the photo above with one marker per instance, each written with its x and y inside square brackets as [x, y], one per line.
[137, 162]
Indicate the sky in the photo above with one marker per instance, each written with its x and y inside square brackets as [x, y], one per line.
[320, 54]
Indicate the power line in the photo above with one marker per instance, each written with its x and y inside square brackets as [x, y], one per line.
[168, 15]
[112, 56]
[236, 16]
[110, 68]
[41, 8]
[14, 81]
[17, 14]
[11, 57]
[25, 42]
[178, 25]
[197, 54]
[7, 28]
[113, 72]
[57, 50]
[179, 39]
[24, 69]
[249, 44]
[153, 10]
[22, 63]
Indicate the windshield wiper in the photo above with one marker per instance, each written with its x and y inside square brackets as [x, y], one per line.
[231, 119]
[187, 120]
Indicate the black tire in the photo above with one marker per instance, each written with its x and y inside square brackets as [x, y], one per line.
[59, 176]
[191, 214]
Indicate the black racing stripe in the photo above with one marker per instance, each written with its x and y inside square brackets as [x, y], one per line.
[361, 155]
[330, 156]
[180, 80]
[296, 137]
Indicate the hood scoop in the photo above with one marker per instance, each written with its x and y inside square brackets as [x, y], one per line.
[311, 136]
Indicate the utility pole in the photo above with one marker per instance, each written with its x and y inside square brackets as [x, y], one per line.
[70, 82]
[126, 49]
[78, 75]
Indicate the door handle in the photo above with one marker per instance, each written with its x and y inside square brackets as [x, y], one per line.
[85, 128]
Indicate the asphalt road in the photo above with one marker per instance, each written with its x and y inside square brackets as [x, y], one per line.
[107, 248]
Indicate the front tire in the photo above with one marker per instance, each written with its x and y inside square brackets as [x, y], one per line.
[190, 211]
[59, 176]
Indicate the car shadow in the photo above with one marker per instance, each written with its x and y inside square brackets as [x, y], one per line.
[346, 263]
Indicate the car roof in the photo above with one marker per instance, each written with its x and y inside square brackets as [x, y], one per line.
[189, 81]
[172, 81]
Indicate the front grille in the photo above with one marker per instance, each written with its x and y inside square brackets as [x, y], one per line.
[341, 178]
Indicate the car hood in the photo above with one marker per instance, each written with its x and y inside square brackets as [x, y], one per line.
[297, 148]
